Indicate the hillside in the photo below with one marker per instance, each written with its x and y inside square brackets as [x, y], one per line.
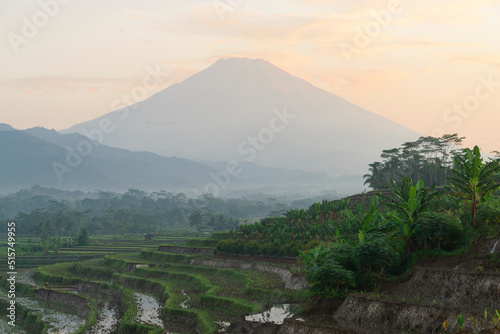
[31, 160]
[39, 156]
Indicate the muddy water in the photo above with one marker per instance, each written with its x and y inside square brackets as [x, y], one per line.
[26, 277]
[6, 328]
[108, 320]
[184, 303]
[222, 326]
[277, 314]
[148, 310]
[59, 322]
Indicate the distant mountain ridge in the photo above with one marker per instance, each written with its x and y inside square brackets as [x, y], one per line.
[39, 156]
[250, 110]
[6, 127]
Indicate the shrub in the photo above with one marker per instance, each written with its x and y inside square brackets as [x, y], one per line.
[436, 230]
[365, 281]
[343, 253]
[489, 212]
[375, 255]
[239, 247]
[225, 246]
[326, 275]
[252, 248]
[312, 244]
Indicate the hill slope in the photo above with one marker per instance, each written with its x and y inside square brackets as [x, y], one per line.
[44, 157]
[40, 156]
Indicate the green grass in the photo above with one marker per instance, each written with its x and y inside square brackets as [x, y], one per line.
[163, 257]
[221, 294]
[57, 275]
[201, 242]
[25, 318]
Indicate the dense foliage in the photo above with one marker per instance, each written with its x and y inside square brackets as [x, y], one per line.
[473, 179]
[351, 244]
[427, 158]
[46, 212]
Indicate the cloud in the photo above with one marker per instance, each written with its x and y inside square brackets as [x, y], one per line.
[448, 12]
[442, 12]
[361, 81]
[61, 84]
[53, 84]
[489, 59]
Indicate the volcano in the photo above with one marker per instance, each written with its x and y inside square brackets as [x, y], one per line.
[249, 110]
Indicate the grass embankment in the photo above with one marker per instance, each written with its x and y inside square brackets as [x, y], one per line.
[30, 321]
[202, 242]
[57, 275]
[31, 253]
[216, 294]
[26, 319]
[162, 257]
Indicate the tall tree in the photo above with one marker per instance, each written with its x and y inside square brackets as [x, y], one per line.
[427, 158]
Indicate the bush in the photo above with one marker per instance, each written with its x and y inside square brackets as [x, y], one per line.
[375, 255]
[343, 254]
[271, 248]
[436, 230]
[225, 246]
[311, 244]
[365, 281]
[239, 247]
[252, 248]
[329, 278]
[488, 213]
[326, 275]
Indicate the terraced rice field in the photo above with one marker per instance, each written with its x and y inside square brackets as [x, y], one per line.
[129, 287]
[99, 247]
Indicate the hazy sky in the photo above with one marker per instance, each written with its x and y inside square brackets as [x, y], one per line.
[431, 65]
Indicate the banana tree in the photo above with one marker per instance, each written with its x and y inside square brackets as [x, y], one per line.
[473, 179]
[408, 203]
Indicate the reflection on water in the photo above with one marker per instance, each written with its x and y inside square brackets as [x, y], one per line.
[6, 328]
[148, 310]
[276, 315]
[222, 326]
[60, 323]
[26, 277]
[184, 303]
[108, 321]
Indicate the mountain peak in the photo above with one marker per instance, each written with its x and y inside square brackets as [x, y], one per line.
[243, 63]
[241, 74]
[216, 114]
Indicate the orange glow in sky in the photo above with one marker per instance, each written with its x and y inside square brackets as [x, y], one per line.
[430, 65]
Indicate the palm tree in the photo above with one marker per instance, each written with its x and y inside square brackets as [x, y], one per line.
[473, 179]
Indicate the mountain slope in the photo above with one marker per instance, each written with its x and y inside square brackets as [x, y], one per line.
[6, 127]
[241, 109]
[40, 156]
[44, 157]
